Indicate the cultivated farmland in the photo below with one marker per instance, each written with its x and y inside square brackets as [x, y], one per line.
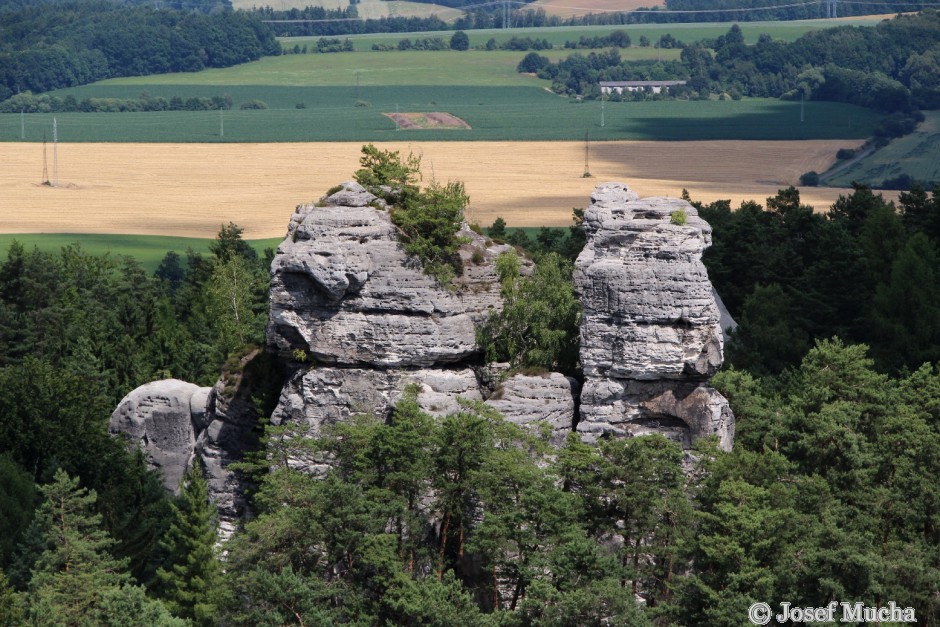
[190, 190]
[687, 32]
[367, 9]
[917, 155]
[567, 8]
[493, 113]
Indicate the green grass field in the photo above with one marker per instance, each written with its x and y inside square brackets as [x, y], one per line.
[315, 97]
[149, 250]
[787, 31]
[917, 155]
[508, 113]
[444, 67]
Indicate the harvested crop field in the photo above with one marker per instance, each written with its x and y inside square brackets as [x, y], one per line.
[190, 189]
[567, 8]
[426, 121]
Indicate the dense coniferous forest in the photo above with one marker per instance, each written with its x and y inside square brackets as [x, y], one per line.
[63, 44]
[829, 493]
[77, 332]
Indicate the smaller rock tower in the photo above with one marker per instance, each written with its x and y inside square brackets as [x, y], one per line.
[651, 335]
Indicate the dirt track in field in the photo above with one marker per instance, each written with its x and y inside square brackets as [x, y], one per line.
[190, 189]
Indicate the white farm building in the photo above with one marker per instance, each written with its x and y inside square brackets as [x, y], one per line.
[619, 87]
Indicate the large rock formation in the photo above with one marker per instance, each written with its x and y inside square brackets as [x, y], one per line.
[355, 320]
[651, 334]
[346, 295]
[344, 291]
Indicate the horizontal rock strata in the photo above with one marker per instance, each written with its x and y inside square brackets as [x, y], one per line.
[356, 320]
[344, 291]
[651, 334]
[346, 295]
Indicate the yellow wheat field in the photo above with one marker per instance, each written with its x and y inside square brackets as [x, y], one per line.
[190, 189]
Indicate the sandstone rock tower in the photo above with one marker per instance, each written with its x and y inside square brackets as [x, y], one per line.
[354, 320]
[650, 335]
[344, 293]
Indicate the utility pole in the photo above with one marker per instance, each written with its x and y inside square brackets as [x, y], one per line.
[55, 153]
[587, 144]
[603, 102]
[45, 162]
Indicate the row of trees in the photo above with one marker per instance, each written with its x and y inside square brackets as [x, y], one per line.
[889, 67]
[45, 103]
[64, 44]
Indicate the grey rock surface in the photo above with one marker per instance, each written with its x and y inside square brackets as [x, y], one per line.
[160, 417]
[547, 399]
[322, 397]
[650, 323]
[175, 423]
[728, 323]
[344, 291]
[681, 411]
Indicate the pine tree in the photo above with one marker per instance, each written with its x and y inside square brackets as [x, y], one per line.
[11, 610]
[75, 569]
[192, 574]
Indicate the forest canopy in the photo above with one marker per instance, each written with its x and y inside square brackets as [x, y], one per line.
[890, 67]
[64, 44]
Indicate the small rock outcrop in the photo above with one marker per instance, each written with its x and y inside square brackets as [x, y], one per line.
[547, 398]
[163, 417]
[651, 333]
[175, 423]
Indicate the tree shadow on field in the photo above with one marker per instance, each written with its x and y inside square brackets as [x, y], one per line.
[773, 121]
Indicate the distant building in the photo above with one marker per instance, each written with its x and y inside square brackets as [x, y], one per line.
[621, 86]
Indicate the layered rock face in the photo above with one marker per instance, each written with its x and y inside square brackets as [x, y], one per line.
[356, 320]
[345, 294]
[344, 291]
[651, 332]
